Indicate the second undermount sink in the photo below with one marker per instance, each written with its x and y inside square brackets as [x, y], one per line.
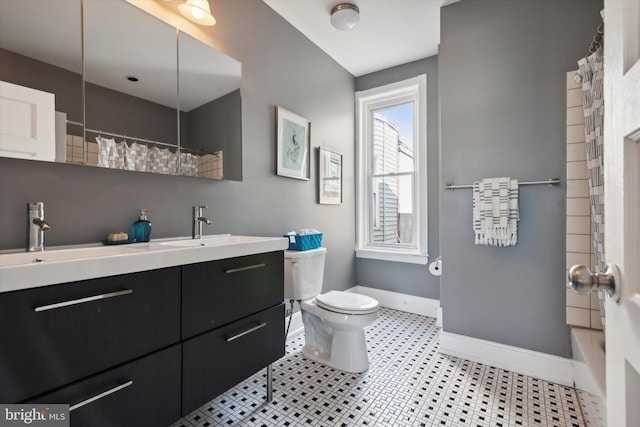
[218, 240]
[29, 258]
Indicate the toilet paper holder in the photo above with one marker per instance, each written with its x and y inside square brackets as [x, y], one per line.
[435, 267]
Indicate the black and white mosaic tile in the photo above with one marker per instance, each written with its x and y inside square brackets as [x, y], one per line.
[408, 384]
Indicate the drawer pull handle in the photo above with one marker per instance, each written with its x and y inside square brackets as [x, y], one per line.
[81, 300]
[248, 267]
[100, 396]
[248, 331]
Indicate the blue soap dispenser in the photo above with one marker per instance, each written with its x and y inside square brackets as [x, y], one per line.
[141, 229]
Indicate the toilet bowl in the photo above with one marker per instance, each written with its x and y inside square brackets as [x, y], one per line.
[333, 322]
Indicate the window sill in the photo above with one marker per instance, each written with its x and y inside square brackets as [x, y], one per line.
[406, 257]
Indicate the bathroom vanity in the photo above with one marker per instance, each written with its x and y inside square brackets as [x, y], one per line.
[161, 330]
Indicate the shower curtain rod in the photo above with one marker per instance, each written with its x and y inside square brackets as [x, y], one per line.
[549, 182]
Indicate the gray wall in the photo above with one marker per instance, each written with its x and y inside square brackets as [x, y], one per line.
[280, 67]
[410, 279]
[502, 78]
[25, 71]
[214, 126]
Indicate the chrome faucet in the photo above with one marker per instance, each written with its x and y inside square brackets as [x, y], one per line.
[37, 227]
[198, 219]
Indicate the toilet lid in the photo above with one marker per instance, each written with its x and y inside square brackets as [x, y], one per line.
[347, 302]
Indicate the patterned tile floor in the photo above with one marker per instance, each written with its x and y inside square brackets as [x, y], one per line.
[408, 384]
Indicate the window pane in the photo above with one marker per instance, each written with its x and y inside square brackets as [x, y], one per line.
[392, 210]
[393, 139]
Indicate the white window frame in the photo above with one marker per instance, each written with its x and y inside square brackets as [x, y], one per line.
[412, 90]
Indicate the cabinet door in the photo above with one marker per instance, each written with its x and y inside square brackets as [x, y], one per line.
[27, 123]
[57, 334]
[141, 393]
[218, 292]
[215, 361]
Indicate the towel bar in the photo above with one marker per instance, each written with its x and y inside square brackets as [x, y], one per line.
[549, 182]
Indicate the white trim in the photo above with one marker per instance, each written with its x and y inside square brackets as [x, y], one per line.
[409, 90]
[410, 258]
[528, 362]
[439, 317]
[398, 301]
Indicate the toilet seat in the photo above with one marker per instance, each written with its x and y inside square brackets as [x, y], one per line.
[347, 302]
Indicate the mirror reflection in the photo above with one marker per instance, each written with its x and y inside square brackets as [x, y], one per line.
[139, 113]
[210, 105]
[39, 59]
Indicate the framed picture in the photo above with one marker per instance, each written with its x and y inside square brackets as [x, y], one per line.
[329, 177]
[293, 144]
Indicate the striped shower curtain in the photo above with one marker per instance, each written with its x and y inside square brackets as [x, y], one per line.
[591, 73]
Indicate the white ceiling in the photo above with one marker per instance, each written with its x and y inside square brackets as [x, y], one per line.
[390, 32]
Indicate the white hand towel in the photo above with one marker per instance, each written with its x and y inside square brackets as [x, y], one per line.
[495, 211]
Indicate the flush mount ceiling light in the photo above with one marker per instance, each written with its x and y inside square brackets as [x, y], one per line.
[345, 16]
[198, 11]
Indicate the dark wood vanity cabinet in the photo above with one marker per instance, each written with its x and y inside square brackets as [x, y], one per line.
[54, 335]
[242, 348]
[152, 345]
[219, 292]
[144, 392]
[233, 316]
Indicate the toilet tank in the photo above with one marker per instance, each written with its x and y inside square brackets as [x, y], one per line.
[303, 273]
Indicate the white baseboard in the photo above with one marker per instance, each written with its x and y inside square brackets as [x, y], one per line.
[402, 302]
[528, 362]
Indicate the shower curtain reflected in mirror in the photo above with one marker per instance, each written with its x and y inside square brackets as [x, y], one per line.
[591, 73]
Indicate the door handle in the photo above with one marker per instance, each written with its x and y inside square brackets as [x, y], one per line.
[582, 280]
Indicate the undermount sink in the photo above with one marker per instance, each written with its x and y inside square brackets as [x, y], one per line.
[222, 239]
[28, 258]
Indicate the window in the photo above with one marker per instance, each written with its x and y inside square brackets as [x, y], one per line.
[392, 172]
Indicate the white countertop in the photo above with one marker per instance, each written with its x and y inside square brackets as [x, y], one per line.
[24, 270]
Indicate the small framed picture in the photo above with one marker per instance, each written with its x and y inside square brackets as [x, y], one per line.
[329, 177]
[293, 144]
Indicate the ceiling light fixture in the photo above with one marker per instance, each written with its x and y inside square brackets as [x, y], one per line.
[345, 16]
[198, 11]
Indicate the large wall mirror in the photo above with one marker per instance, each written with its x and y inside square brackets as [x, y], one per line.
[154, 99]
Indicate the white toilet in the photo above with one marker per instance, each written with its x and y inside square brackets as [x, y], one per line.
[333, 322]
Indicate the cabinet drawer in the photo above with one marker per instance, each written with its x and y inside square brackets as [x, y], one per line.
[218, 292]
[145, 392]
[215, 361]
[55, 335]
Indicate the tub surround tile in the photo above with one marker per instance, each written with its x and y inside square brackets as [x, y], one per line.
[574, 258]
[574, 97]
[596, 321]
[576, 152]
[571, 80]
[579, 225]
[578, 317]
[575, 116]
[578, 206]
[579, 243]
[577, 170]
[578, 301]
[575, 134]
[595, 303]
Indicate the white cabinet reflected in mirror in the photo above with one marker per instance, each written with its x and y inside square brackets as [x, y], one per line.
[155, 100]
